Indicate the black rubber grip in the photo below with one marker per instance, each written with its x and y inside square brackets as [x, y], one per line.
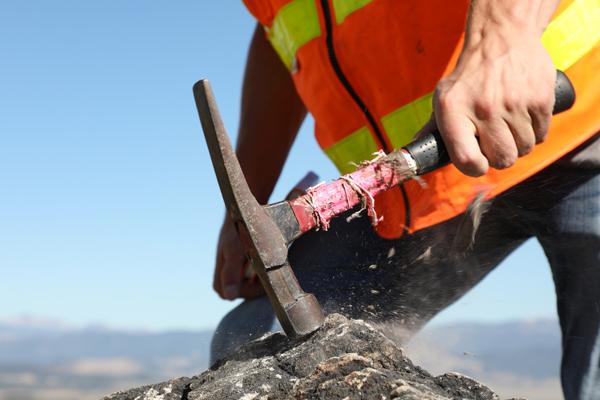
[430, 153]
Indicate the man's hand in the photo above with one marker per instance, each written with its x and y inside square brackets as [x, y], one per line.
[497, 103]
[230, 280]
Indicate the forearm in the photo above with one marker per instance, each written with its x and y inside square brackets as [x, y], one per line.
[492, 25]
[271, 115]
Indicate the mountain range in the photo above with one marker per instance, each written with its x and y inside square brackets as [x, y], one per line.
[47, 360]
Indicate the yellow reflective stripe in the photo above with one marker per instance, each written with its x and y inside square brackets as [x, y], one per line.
[343, 8]
[573, 33]
[295, 24]
[351, 150]
[402, 124]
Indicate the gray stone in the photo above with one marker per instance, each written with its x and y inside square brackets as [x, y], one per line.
[345, 360]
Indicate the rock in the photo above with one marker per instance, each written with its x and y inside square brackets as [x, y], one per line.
[345, 360]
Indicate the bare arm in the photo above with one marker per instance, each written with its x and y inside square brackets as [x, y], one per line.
[271, 115]
[497, 103]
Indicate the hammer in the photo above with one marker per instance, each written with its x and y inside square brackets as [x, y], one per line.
[267, 231]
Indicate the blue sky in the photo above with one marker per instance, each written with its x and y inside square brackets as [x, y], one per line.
[109, 210]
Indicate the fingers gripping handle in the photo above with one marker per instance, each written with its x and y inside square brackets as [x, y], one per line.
[430, 153]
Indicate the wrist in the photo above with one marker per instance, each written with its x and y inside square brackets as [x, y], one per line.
[494, 28]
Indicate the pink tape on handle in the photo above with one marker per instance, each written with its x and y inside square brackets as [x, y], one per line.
[323, 202]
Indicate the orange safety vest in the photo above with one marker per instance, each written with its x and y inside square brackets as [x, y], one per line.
[366, 70]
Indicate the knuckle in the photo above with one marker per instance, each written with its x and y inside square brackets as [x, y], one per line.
[541, 128]
[512, 103]
[540, 136]
[469, 164]
[525, 149]
[525, 140]
[485, 110]
[503, 160]
[464, 160]
[444, 85]
[542, 105]
[446, 100]
[546, 113]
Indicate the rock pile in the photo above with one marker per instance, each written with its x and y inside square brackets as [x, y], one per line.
[345, 360]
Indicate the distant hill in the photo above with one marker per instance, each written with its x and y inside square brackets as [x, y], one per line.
[146, 348]
[54, 362]
[51, 361]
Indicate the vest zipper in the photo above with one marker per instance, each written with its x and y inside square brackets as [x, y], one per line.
[342, 78]
[344, 81]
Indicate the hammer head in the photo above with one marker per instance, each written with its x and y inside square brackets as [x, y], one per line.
[266, 245]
